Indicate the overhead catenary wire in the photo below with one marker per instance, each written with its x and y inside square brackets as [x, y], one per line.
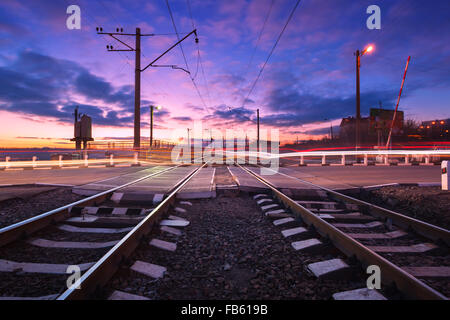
[184, 57]
[199, 58]
[270, 53]
[259, 37]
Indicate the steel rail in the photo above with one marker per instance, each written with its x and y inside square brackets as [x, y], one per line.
[23, 228]
[425, 229]
[406, 283]
[100, 273]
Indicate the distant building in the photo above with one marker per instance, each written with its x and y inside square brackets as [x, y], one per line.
[435, 129]
[373, 129]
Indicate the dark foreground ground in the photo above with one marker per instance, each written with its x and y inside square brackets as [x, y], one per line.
[429, 204]
[230, 251]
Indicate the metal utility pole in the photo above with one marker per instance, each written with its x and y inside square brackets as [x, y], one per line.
[138, 70]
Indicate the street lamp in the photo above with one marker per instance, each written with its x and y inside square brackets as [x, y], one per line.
[151, 122]
[358, 55]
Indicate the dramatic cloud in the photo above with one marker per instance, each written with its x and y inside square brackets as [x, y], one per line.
[41, 85]
[292, 108]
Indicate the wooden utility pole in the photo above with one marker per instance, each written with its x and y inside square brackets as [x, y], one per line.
[137, 92]
[257, 119]
[358, 102]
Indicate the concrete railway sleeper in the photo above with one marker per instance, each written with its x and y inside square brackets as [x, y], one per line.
[77, 237]
[412, 255]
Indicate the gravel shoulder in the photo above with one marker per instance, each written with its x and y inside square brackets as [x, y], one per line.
[23, 207]
[429, 204]
[230, 251]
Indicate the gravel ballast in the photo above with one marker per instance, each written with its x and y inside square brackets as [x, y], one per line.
[230, 251]
[429, 204]
[18, 209]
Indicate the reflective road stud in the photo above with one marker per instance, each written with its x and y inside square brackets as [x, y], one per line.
[445, 176]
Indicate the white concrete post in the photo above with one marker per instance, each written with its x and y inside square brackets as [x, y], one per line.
[324, 161]
[343, 160]
[111, 160]
[136, 160]
[34, 161]
[445, 175]
[86, 162]
[60, 163]
[7, 162]
[366, 160]
[407, 159]
[427, 159]
[302, 160]
[386, 159]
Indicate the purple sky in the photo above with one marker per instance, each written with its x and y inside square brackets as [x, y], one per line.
[46, 69]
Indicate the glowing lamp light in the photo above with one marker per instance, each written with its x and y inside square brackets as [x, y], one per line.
[433, 123]
[442, 122]
[368, 49]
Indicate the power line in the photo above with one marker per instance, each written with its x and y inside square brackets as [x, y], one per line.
[259, 36]
[271, 52]
[199, 59]
[184, 56]
[178, 36]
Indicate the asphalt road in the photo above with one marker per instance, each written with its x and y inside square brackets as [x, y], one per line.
[326, 176]
[75, 176]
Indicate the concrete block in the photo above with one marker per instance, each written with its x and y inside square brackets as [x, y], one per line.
[149, 269]
[306, 244]
[280, 213]
[293, 231]
[43, 243]
[116, 197]
[174, 223]
[283, 221]
[261, 195]
[260, 202]
[180, 210]
[50, 268]
[165, 245]
[69, 228]
[269, 206]
[359, 294]
[172, 217]
[171, 230]
[358, 225]
[428, 272]
[327, 268]
[417, 248]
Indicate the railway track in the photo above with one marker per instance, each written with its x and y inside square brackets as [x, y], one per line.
[91, 236]
[413, 256]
